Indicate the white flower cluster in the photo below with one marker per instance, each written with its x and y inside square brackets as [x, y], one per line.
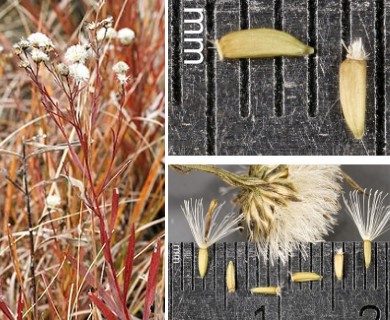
[107, 32]
[76, 57]
[37, 45]
[120, 68]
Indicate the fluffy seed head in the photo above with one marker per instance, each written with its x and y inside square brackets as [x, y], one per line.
[356, 50]
[295, 205]
[79, 72]
[40, 40]
[369, 213]
[120, 67]
[77, 54]
[53, 201]
[216, 228]
[105, 33]
[126, 36]
[38, 56]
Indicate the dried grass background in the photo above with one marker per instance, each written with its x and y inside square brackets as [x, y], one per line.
[71, 267]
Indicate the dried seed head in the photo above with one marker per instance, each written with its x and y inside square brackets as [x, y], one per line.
[293, 206]
[38, 56]
[339, 264]
[305, 277]
[275, 291]
[126, 36]
[230, 278]
[260, 43]
[77, 54]
[40, 40]
[79, 72]
[120, 67]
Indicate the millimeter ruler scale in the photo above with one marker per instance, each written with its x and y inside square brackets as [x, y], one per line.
[361, 294]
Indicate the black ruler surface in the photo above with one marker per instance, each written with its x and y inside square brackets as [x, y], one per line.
[362, 294]
[274, 106]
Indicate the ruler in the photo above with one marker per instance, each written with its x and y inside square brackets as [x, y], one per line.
[276, 106]
[362, 294]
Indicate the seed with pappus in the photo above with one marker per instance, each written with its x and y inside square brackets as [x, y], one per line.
[208, 229]
[352, 78]
[371, 217]
[126, 36]
[260, 43]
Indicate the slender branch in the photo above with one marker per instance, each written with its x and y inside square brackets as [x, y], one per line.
[30, 229]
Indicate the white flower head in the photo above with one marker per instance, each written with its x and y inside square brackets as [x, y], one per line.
[217, 229]
[77, 54]
[126, 36]
[38, 56]
[356, 50]
[105, 34]
[40, 40]
[120, 67]
[79, 72]
[1, 48]
[296, 206]
[369, 213]
[53, 201]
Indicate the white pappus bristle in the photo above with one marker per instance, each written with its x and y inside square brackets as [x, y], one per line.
[219, 228]
[369, 213]
[356, 50]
